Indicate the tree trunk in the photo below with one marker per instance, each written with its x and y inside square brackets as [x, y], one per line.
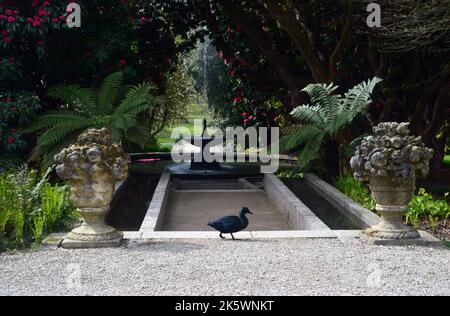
[332, 160]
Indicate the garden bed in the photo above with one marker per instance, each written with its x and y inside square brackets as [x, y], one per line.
[428, 211]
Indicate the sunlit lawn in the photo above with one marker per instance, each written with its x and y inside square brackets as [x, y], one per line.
[447, 161]
[198, 112]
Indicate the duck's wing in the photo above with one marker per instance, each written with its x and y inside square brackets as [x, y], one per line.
[226, 224]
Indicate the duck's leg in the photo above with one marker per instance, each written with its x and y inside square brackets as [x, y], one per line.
[233, 237]
[221, 236]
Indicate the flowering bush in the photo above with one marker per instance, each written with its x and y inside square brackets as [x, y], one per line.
[24, 26]
[16, 110]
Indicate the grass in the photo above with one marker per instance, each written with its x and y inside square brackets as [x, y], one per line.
[197, 112]
[447, 161]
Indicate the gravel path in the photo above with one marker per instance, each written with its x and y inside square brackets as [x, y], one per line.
[213, 267]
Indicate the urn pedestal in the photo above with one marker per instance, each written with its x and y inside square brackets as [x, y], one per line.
[93, 232]
[392, 204]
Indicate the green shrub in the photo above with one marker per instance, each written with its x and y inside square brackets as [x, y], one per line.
[356, 190]
[291, 173]
[425, 206]
[31, 208]
[447, 161]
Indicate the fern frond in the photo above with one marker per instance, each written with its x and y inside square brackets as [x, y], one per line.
[108, 92]
[299, 137]
[311, 150]
[323, 95]
[138, 135]
[136, 101]
[123, 121]
[51, 119]
[60, 131]
[75, 96]
[310, 114]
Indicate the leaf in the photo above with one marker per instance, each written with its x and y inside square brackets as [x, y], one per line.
[108, 92]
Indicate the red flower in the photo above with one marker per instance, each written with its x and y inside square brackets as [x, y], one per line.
[8, 12]
[36, 24]
[62, 17]
[55, 20]
[245, 121]
[30, 20]
[11, 60]
[5, 32]
[251, 118]
[123, 62]
[243, 62]
[236, 100]
[39, 43]
[7, 39]
[11, 19]
[11, 140]
[244, 114]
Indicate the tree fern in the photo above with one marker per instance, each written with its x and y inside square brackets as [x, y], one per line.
[325, 117]
[113, 105]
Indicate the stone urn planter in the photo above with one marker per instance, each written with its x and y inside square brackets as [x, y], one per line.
[390, 161]
[92, 166]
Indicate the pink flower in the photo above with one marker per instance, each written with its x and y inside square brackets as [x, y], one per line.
[36, 23]
[244, 114]
[243, 62]
[55, 20]
[123, 62]
[11, 140]
[236, 100]
[5, 32]
[62, 17]
[11, 19]
[45, 3]
[245, 121]
[251, 118]
[8, 12]
[2, 16]
[7, 39]
[39, 43]
[16, 12]
[30, 20]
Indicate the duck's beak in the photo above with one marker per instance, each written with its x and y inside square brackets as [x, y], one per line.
[250, 212]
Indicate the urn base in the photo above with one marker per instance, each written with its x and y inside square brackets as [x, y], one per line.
[391, 227]
[93, 233]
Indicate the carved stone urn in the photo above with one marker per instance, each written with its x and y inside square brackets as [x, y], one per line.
[391, 160]
[92, 166]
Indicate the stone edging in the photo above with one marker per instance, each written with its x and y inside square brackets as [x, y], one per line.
[296, 213]
[358, 214]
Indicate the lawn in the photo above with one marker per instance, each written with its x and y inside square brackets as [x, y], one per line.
[198, 112]
[447, 161]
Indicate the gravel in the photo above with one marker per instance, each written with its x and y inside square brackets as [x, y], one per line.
[214, 267]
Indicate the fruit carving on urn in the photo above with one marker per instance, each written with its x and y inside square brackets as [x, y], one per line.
[93, 166]
[391, 160]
